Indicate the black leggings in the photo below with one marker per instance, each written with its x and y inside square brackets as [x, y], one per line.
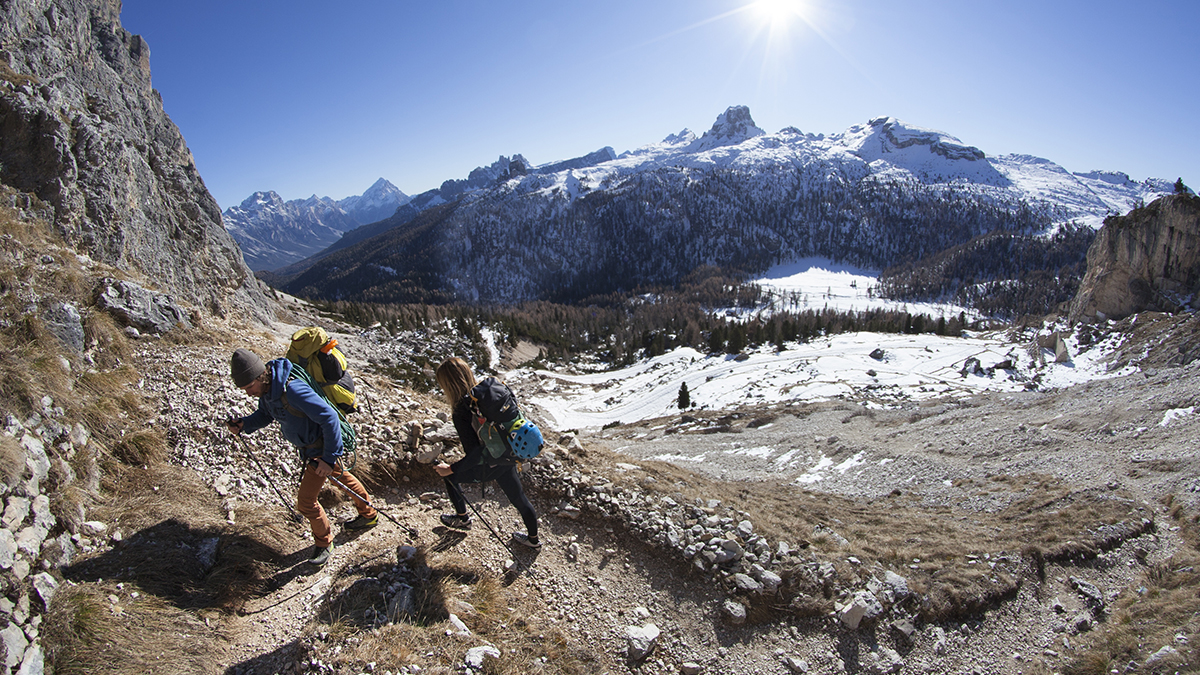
[509, 481]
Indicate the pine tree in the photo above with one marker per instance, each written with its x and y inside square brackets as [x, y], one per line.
[1180, 188]
[685, 399]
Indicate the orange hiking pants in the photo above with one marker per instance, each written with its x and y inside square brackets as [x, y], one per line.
[307, 504]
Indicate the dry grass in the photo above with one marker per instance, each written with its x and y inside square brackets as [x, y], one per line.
[9, 75]
[1165, 605]
[103, 628]
[170, 521]
[12, 459]
[928, 545]
[145, 447]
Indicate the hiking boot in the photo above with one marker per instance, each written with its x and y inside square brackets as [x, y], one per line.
[458, 522]
[526, 540]
[361, 523]
[321, 555]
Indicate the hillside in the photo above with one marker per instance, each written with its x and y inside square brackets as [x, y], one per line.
[1031, 531]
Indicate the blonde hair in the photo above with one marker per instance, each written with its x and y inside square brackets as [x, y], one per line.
[455, 378]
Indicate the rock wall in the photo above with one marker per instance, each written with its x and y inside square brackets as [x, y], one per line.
[82, 128]
[1148, 260]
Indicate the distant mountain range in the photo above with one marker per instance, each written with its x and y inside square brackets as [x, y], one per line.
[877, 195]
[274, 233]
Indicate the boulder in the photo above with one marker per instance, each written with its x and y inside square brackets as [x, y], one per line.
[63, 321]
[734, 612]
[140, 308]
[641, 640]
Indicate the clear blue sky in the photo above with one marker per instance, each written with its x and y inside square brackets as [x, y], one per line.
[305, 97]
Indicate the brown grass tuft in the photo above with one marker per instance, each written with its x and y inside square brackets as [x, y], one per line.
[86, 632]
[12, 460]
[142, 448]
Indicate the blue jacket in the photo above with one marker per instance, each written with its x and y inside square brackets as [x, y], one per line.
[317, 432]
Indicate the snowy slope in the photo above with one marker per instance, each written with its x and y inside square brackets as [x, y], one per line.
[913, 367]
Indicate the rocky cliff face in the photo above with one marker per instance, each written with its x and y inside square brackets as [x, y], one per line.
[82, 129]
[1146, 260]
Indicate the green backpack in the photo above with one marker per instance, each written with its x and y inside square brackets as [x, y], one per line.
[349, 437]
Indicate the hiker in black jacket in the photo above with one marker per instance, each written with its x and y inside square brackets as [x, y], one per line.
[456, 380]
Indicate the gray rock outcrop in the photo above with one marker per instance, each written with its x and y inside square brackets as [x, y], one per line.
[83, 130]
[1146, 260]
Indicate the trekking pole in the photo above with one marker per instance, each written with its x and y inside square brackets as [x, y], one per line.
[246, 446]
[495, 534]
[412, 531]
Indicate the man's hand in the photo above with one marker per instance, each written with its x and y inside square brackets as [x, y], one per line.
[443, 469]
[323, 470]
[234, 425]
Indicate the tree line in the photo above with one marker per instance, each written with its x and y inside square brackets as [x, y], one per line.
[712, 313]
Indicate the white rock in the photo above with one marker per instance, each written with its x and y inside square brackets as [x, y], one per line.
[15, 512]
[34, 662]
[734, 611]
[851, 615]
[29, 541]
[476, 655]
[42, 517]
[8, 549]
[746, 583]
[94, 527]
[1160, 655]
[796, 665]
[641, 640]
[36, 458]
[460, 628]
[690, 668]
[428, 453]
[770, 581]
[45, 585]
[14, 644]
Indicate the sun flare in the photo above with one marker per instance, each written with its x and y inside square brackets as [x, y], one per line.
[779, 12]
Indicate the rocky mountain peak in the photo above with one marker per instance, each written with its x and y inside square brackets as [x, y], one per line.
[732, 127]
[1146, 260]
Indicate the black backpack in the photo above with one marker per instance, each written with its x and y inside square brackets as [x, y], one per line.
[507, 437]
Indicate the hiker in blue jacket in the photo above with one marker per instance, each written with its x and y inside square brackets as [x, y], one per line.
[310, 423]
[455, 378]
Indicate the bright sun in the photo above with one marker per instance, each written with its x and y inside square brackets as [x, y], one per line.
[779, 12]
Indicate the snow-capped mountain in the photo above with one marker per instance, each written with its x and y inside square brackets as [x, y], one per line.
[379, 201]
[273, 232]
[875, 195]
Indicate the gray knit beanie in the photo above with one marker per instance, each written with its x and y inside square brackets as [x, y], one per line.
[245, 367]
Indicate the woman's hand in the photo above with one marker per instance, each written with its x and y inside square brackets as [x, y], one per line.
[443, 469]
